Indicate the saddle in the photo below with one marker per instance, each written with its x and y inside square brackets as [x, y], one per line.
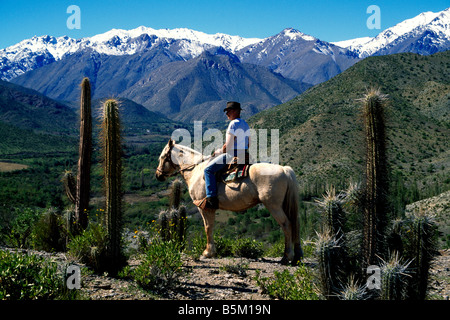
[231, 173]
[234, 171]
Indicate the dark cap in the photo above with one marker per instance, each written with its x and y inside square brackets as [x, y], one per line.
[232, 105]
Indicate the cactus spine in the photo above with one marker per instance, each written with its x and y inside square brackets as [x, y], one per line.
[83, 187]
[70, 185]
[393, 279]
[328, 250]
[422, 248]
[333, 214]
[173, 220]
[374, 215]
[112, 165]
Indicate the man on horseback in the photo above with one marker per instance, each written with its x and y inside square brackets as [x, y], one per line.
[236, 145]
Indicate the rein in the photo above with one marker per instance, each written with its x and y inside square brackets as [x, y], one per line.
[168, 157]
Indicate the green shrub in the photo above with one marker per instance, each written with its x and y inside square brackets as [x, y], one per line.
[161, 266]
[287, 286]
[240, 268]
[90, 247]
[224, 246]
[18, 231]
[248, 248]
[29, 277]
[49, 232]
[196, 245]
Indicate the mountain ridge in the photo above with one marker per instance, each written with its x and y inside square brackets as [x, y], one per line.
[434, 27]
[39, 51]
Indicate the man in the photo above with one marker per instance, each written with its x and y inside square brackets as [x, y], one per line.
[237, 143]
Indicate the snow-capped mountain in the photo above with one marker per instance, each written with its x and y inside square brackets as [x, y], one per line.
[299, 56]
[36, 52]
[352, 43]
[427, 33]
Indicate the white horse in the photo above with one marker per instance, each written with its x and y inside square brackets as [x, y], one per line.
[273, 185]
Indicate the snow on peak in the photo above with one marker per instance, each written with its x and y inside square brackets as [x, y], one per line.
[232, 43]
[114, 42]
[294, 34]
[352, 42]
[439, 22]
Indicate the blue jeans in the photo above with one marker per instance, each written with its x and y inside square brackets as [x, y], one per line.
[214, 166]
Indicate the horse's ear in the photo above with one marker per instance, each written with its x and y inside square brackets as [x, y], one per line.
[171, 143]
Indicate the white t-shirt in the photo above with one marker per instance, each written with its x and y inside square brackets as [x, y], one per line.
[241, 132]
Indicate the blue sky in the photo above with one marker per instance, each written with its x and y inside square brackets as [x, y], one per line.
[326, 20]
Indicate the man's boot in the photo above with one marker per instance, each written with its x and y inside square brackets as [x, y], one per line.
[212, 203]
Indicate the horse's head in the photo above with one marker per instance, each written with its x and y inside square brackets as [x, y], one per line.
[166, 166]
[175, 158]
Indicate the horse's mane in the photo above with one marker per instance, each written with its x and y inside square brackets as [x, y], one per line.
[197, 155]
[188, 149]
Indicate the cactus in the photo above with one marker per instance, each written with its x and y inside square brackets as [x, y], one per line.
[376, 189]
[333, 212]
[70, 185]
[173, 221]
[421, 249]
[83, 187]
[164, 223]
[328, 250]
[352, 290]
[173, 224]
[112, 165]
[394, 279]
[175, 194]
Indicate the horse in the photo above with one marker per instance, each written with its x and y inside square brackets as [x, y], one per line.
[273, 185]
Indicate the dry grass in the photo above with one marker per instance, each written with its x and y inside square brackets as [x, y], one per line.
[8, 166]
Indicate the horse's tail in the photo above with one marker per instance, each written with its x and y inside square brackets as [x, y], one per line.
[290, 208]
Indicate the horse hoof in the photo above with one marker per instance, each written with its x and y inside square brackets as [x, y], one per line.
[207, 255]
[284, 261]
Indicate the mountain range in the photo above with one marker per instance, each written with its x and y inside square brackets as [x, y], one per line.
[427, 33]
[188, 75]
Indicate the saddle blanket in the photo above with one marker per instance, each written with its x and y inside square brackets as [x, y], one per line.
[238, 172]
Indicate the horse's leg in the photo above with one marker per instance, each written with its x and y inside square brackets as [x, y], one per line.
[208, 220]
[279, 215]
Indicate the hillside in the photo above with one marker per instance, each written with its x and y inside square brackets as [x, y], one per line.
[321, 130]
[29, 109]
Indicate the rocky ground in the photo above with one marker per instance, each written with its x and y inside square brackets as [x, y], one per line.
[207, 280]
[203, 279]
[210, 279]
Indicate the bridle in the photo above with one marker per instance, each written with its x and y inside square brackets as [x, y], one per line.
[178, 168]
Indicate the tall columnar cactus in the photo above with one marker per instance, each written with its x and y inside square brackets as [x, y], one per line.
[422, 248]
[112, 165]
[376, 188]
[83, 187]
